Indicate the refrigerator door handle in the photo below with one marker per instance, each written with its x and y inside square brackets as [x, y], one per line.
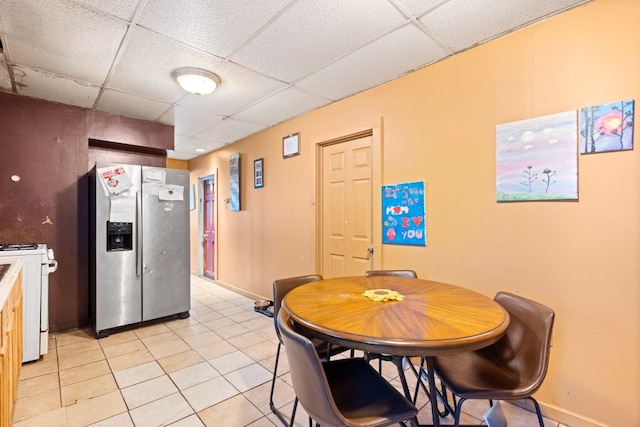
[138, 234]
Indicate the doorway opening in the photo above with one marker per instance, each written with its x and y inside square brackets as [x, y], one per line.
[207, 224]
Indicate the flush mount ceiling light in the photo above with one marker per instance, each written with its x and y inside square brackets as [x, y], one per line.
[196, 80]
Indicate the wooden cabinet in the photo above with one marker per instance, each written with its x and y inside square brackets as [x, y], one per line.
[10, 343]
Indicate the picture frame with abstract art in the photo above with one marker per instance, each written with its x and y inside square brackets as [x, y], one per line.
[607, 127]
[537, 159]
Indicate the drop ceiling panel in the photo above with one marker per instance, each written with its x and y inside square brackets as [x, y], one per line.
[189, 145]
[230, 130]
[179, 155]
[5, 79]
[60, 36]
[55, 88]
[168, 117]
[282, 106]
[483, 20]
[385, 59]
[418, 7]
[131, 106]
[215, 26]
[148, 61]
[192, 122]
[121, 8]
[312, 34]
[239, 89]
[179, 139]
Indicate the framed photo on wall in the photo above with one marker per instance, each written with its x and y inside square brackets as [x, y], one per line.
[258, 173]
[234, 178]
[291, 145]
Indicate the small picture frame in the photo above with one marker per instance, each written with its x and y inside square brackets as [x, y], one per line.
[258, 173]
[291, 145]
[192, 197]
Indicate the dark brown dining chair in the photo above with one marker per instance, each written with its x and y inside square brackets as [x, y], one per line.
[343, 392]
[513, 368]
[282, 287]
[397, 273]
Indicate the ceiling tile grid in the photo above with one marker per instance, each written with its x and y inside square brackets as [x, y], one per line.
[282, 106]
[218, 27]
[147, 62]
[417, 8]
[191, 123]
[484, 20]
[130, 105]
[387, 58]
[230, 130]
[276, 59]
[123, 9]
[44, 85]
[187, 145]
[311, 34]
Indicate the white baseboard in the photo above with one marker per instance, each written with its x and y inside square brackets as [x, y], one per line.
[239, 291]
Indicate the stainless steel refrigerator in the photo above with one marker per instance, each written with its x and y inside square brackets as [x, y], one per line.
[139, 250]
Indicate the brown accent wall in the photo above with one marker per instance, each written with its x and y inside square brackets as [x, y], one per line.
[125, 130]
[47, 145]
[438, 125]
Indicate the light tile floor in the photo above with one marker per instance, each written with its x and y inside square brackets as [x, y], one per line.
[211, 369]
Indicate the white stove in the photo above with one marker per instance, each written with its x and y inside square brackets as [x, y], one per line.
[37, 262]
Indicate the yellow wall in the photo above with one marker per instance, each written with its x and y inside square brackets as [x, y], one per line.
[580, 258]
[177, 164]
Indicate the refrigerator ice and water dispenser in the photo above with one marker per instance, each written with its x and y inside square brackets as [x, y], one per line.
[119, 237]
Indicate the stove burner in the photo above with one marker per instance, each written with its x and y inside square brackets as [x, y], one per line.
[17, 246]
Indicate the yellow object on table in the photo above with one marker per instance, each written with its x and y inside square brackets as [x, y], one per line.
[381, 295]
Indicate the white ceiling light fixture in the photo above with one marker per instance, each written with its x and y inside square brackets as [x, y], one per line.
[196, 80]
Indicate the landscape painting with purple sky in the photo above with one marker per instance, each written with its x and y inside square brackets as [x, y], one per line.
[537, 159]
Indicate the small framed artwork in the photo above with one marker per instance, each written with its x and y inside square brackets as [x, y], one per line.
[192, 197]
[607, 127]
[291, 145]
[258, 173]
[234, 181]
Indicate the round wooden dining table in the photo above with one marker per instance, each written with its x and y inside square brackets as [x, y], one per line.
[432, 318]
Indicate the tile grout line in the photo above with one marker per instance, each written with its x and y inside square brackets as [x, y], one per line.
[226, 302]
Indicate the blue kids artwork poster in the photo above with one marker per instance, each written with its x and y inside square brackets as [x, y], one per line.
[403, 214]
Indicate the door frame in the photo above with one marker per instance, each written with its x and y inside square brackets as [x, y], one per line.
[375, 133]
[201, 180]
